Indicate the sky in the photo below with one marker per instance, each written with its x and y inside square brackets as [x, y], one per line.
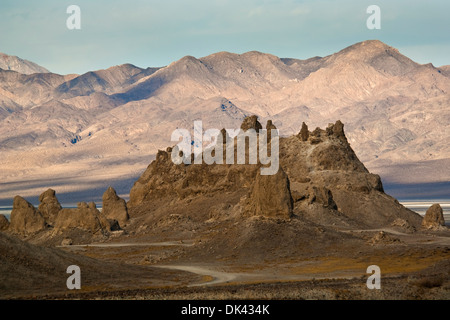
[150, 33]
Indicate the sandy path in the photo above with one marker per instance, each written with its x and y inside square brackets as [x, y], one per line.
[218, 276]
[136, 244]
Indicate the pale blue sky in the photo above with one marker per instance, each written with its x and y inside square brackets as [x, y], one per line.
[155, 33]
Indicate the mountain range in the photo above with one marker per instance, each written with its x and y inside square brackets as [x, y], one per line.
[78, 133]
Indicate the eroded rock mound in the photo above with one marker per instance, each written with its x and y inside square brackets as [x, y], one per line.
[85, 217]
[114, 207]
[323, 196]
[319, 169]
[270, 196]
[251, 123]
[383, 238]
[25, 218]
[434, 217]
[49, 206]
[4, 223]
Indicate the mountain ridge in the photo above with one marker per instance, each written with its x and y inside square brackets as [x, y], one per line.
[395, 110]
[15, 63]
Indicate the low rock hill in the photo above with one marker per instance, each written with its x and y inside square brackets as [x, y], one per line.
[320, 177]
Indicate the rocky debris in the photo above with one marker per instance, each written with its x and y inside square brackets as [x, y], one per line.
[85, 217]
[270, 196]
[304, 133]
[434, 217]
[4, 223]
[114, 207]
[49, 206]
[323, 196]
[403, 225]
[251, 122]
[25, 218]
[383, 238]
[67, 242]
[220, 211]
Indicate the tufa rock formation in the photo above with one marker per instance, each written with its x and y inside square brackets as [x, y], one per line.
[4, 223]
[84, 217]
[383, 238]
[270, 196]
[323, 196]
[49, 206]
[304, 133]
[434, 217]
[251, 123]
[319, 169]
[114, 207]
[25, 219]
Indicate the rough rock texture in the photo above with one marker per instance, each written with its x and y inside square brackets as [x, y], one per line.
[377, 92]
[165, 179]
[251, 123]
[85, 217]
[323, 196]
[49, 206]
[325, 177]
[67, 242]
[434, 217]
[4, 223]
[270, 196]
[383, 238]
[25, 219]
[304, 133]
[114, 207]
[270, 125]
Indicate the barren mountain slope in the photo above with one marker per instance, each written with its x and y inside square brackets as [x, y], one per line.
[29, 271]
[107, 124]
[14, 63]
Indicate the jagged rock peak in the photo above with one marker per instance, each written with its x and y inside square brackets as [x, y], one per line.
[4, 223]
[114, 207]
[336, 129]
[270, 125]
[49, 205]
[304, 133]
[251, 122]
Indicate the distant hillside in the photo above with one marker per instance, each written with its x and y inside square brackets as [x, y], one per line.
[20, 65]
[78, 132]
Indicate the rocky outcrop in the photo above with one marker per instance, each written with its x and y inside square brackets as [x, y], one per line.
[114, 207]
[25, 218]
[270, 196]
[251, 122]
[319, 169]
[304, 133]
[49, 206]
[383, 238]
[270, 125]
[85, 217]
[323, 196]
[434, 217]
[4, 223]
